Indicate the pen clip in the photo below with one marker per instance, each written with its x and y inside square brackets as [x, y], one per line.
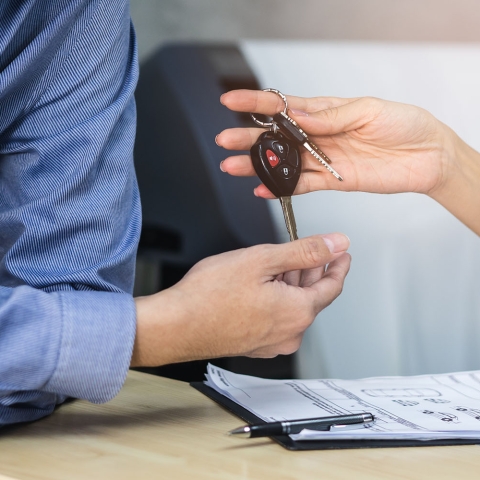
[352, 426]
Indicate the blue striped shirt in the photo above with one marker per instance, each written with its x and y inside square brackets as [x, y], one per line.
[69, 203]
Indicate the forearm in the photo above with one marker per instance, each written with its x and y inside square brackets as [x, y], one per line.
[459, 193]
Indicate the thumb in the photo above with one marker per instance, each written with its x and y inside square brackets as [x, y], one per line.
[310, 252]
[343, 118]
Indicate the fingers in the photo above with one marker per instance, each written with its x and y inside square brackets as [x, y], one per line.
[341, 118]
[263, 192]
[307, 277]
[238, 138]
[304, 278]
[330, 286]
[311, 276]
[317, 116]
[268, 103]
[253, 101]
[309, 182]
[306, 253]
[238, 166]
[241, 166]
[324, 289]
[293, 278]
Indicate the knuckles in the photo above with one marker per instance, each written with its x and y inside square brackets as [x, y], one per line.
[314, 253]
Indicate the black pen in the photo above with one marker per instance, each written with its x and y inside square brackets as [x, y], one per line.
[336, 423]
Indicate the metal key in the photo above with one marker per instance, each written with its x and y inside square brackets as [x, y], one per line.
[289, 127]
[278, 164]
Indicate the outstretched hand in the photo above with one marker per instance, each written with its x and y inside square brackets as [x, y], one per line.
[376, 145]
[256, 302]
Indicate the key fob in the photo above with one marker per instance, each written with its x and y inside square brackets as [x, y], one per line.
[277, 162]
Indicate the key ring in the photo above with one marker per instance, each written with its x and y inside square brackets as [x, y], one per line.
[271, 124]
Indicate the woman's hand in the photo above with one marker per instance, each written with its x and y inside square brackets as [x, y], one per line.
[376, 145]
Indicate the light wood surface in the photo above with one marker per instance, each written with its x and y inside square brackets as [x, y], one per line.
[158, 428]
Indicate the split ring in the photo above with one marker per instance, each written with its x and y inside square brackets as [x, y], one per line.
[271, 124]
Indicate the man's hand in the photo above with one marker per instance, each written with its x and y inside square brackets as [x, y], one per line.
[256, 302]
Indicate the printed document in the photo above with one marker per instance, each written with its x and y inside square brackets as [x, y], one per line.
[424, 407]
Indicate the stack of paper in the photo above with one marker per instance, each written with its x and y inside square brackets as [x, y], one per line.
[424, 407]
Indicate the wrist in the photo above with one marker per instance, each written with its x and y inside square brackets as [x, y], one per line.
[457, 165]
[459, 190]
[445, 147]
[172, 329]
[160, 320]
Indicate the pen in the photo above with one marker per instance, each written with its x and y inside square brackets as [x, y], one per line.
[338, 422]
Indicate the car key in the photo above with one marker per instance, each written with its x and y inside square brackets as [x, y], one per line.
[289, 127]
[277, 162]
[280, 170]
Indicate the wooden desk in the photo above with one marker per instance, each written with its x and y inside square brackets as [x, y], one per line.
[158, 428]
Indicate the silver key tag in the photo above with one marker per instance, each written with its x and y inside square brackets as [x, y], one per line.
[290, 128]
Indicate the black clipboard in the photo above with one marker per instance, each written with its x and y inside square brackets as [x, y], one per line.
[290, 444]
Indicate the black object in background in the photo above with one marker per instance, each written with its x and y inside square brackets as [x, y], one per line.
[191, 209]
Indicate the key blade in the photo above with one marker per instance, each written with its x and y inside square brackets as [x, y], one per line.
[291, 128]
[289, 216]
[319, 152]
[322, 161]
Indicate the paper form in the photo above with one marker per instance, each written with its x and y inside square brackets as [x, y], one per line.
[424, 407]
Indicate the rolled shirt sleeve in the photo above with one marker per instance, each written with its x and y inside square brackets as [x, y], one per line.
[69, 204]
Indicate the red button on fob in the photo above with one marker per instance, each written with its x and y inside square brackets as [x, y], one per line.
[272, 159]
[278, 170]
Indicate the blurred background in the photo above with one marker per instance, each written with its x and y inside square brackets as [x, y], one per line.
[161, 21]
[407, 307]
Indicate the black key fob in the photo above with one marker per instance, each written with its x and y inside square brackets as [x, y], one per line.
[277, 162]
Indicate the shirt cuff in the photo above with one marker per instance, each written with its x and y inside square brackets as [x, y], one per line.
[98, 333]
